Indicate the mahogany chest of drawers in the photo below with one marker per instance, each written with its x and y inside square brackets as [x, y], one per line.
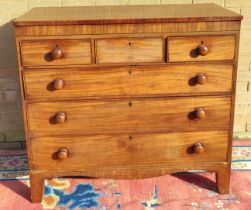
[128, 91]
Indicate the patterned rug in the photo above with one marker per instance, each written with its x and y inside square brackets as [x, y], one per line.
[195, 191]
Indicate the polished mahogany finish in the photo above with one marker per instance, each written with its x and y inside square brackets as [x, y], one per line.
[190, 48]
[128, 91]
[202, 50]
[198, 148]
[201, 78]
[58, 84]
[200, 113]
[168, 147]
[126, 15]
[127, 81]
[56, 53]
[130, 50]
[60, 117]
[62, 154]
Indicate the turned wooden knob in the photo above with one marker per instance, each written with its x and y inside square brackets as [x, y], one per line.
[56, 53]
[60, 117]
[58, 84]
[198, 148]
[62, 154]
[201, 78]
[202, 50]
[200, 113]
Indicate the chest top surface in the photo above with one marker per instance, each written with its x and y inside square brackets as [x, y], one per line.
[126, 14]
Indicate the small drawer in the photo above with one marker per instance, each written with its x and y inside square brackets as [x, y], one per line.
[129, 50]
[129, 116]
[111, 151]
[199, 48]
[109, 82]
[56, 52]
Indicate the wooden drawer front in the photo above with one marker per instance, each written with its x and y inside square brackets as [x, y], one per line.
[148, 115]
[106, 151]
[129, 50]
[129, 81]
[189, 48]
[56, 52]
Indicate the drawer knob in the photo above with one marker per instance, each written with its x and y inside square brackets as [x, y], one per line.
[60, 117]
[58, 84]
[62, 154]
[202, 50]
[56, 53]
[200, 113]
[201, 79]
[198, 148]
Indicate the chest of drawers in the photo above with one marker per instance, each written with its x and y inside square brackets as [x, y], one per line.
[128, 91]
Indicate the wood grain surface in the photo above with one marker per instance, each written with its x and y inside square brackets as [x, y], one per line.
[36, 53]
[126, 14]
[114, 29]
[129, 116]
[129, 50]
[108, 151]
[127, 81]
[184, 48]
